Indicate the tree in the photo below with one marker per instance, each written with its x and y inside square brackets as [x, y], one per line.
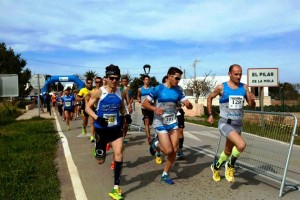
[11, 63]
[285, 91]
[90, 74]
[203, 86]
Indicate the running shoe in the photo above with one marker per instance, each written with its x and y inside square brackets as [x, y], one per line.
[216, 173]
[158, 159]
[116, 194]
[112, 165]
[180, 155]
[68, 128]
[229, 173]
[83, 131]
[92, 139]
[166, 179]
[152, 147]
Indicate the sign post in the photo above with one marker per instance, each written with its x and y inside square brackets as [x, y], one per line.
[37, 81]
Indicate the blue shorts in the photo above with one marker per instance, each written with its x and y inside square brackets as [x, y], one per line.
[166, 128]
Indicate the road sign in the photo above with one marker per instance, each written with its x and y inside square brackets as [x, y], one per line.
[263, 77]
[9, 85]
[37, 81]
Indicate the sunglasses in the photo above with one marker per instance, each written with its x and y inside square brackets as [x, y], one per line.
[98, 82]
[176, 78]
[89, 83]
[114, 78]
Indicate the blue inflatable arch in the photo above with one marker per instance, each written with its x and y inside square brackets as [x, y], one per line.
[62, 78]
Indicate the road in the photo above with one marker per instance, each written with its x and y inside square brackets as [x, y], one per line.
[141, 175]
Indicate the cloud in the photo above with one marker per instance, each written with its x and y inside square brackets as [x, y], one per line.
[55, 23]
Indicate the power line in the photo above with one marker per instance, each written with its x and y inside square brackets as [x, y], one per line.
[56, 63]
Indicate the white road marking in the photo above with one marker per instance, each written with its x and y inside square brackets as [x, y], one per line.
[211, 134]
[75, 179]
[189, 135]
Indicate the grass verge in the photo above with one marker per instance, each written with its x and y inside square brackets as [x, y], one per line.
[27, 153]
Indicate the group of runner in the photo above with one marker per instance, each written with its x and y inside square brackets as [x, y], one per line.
[109, 107]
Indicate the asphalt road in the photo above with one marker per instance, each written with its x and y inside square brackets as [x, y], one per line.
[83, 178]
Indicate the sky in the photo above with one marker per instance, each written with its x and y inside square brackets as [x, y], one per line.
[72, 37]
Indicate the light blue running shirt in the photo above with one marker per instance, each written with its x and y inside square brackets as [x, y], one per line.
[232, 102]
[166, 98]
[145, 92]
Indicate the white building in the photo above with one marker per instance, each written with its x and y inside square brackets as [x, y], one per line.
[221, 79]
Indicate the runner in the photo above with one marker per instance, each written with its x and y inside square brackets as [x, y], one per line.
[60, 104]
[232, 95]
[81, 97]
[143, 92]
[69, 105]
[53, 100]
[108, 123]
[77, 105]
[165, 120]
[180, 120]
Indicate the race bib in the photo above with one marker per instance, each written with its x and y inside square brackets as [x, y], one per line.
[169, 118]
[236, 102]
[111, 119]
[68, 104]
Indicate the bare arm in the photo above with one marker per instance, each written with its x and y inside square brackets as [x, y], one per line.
[139, 96]
[90, 103]
[122, 107]
[188, 104]
[217, 91]
[147, 105]
[250, 98]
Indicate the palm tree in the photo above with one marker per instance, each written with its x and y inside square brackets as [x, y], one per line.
[90, 74]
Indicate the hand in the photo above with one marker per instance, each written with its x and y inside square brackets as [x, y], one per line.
[102, 121]
[149, 139]
[159, 111]
[210, 119]
[128, 119]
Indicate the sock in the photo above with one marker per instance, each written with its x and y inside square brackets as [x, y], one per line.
[116, 187]
[164, 174]
[117, 172]
[181, 143]
[234, 156]
[222, 159]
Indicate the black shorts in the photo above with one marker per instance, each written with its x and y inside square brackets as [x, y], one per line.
[148, 114]
[180, 118]
[103, 136]
[70, 110]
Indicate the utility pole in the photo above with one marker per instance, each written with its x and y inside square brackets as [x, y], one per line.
[194, 66]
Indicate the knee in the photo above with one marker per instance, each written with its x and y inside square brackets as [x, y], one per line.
[241, 147]
[169, 151]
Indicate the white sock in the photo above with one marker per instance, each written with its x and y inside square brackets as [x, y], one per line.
[164, 174]
[116, 186]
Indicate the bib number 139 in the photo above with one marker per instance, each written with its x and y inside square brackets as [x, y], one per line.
[236, 102]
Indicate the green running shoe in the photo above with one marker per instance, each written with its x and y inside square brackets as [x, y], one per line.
[116, 194]
[83, 131]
